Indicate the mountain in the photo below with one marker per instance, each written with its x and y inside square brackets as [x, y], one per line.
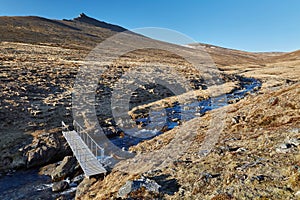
[82, 32]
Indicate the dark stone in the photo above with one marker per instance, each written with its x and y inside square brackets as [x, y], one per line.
[259, 178]
[60, 186]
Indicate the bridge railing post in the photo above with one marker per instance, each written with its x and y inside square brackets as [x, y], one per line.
[96, 152]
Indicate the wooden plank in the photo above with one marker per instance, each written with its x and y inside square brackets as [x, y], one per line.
[87, 160]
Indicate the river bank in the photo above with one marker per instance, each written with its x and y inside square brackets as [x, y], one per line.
[258, 151]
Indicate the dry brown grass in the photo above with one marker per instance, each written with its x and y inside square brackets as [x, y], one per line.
[258, 172]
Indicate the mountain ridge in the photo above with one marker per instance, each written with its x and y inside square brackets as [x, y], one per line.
[84, 32]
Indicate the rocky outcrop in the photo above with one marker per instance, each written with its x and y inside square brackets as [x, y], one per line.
[46, 148]
[65, 169]
[88, 20]
[66, 175]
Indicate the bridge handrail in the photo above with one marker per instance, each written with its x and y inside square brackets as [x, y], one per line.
[85, 137]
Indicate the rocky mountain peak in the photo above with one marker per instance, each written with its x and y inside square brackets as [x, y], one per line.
[82, 15]
[89, 20]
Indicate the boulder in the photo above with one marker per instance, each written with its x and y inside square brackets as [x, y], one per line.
[48, 169]
[84, 186]
[46, 148]
[288, 146]
[60, 186]
[65, 169]
[132, 186]
[76, 180]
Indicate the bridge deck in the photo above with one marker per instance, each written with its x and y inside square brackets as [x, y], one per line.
[87, 160]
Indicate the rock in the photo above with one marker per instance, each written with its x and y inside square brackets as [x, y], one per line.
[176, 119]
[181, 191]
[131, 186]
[48, 169]
[60, 186]
[285, 146]
[109, 121]
[78, 179]
[273, 101]
[294, 141]
[237, 119]
[152, 172]
[295, 130]
[288, 145]
[234, 120]
[207, 176]
[84, 186]
[256, 88]
[259, 178]
[126, 189]
[241, 150]
[231, 101]
[46, 148]
[61, 198]
[67, 195]
[65, 169]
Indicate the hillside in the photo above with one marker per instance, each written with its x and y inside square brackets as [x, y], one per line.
[82, 32]
[292, 56]
[226, 56]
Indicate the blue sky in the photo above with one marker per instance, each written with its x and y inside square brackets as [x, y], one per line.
[252, 25]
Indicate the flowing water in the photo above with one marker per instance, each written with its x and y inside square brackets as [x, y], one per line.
[25, 185]
[171, 117]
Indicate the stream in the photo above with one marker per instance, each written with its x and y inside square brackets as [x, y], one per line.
[171, 117]
[27, 184]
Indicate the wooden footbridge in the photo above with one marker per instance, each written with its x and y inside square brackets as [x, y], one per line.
[87, 152]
